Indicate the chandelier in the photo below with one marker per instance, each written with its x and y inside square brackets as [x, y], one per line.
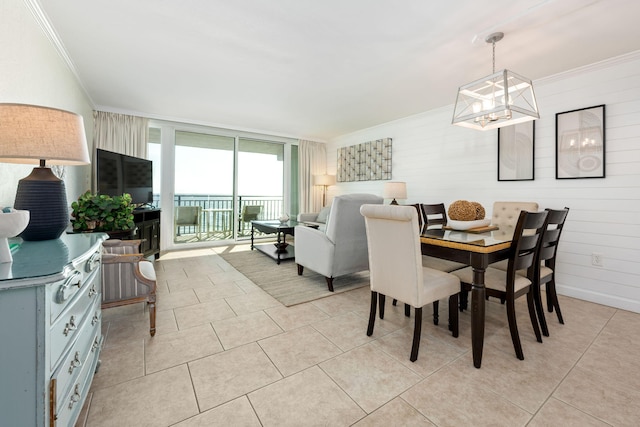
[500, 99]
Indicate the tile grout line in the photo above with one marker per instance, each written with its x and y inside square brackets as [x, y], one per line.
[551, 394]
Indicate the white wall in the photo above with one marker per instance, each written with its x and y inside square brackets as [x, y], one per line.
[444, 163]
[32, 72]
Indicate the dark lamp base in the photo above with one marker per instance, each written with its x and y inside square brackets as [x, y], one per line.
[394, 202]
[45, 197]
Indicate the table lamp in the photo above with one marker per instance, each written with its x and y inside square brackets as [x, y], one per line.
[32, 134]
[324, 181]
[395, 190]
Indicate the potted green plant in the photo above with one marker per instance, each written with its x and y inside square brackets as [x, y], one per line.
[99, 212]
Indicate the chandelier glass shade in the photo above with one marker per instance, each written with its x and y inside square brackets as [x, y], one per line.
[500, 99]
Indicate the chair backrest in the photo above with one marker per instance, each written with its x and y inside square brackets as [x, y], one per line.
[117, 246]
[395, 258]
[505, 216]
[188, 215]
[527, 239]
[345, 222]
[435, 215]
[418, 209]
[121, 259]
[345, 229]
[250, 212]
[551, 236]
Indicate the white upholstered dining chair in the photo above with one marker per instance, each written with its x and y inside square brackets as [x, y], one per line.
[395, 268]
[505, 216]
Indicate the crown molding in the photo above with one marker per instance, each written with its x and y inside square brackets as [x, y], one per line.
[600, 65]
[43, 22]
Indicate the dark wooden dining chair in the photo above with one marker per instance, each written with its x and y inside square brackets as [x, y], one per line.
[432, 216]
[395, 268]
[435, 217]
[509, 285]
[435, 214]
[547, 257]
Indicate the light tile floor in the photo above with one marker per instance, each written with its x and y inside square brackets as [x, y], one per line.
[228, 354]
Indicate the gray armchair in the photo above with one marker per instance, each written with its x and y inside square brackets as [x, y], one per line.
[342, 247]
[127, 278]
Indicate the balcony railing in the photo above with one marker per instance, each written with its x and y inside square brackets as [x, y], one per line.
[217, 214]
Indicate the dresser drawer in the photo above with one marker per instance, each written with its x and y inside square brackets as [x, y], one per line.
[70, 366]
[70, 404]
[76, 279]
[67, 325]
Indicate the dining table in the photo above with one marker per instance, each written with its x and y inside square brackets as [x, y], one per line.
[477, 250]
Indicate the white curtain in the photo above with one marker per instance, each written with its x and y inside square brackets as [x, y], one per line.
[312, 161]
[121, 133]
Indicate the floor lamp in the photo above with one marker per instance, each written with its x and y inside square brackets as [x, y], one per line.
[33, 134]
[324, 181]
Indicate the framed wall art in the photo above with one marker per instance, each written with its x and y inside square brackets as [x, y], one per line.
[516, 145]
[365, 162]
[580, 143]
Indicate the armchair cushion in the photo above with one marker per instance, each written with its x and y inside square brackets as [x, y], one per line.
[324, 214]
[318, 219]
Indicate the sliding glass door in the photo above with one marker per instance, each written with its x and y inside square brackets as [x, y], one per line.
[260, 183]
[203, 185]
[214, 184]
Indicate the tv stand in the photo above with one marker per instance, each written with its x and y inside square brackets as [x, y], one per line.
[148, 230]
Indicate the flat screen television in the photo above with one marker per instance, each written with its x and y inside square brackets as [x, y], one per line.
[118, 173]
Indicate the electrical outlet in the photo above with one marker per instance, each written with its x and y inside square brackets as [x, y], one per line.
[597, 260]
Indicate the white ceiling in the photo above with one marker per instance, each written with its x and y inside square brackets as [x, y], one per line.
[321, 68]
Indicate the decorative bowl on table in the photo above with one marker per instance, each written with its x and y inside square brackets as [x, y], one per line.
[468, 225]
[12, 223]
[284, 218]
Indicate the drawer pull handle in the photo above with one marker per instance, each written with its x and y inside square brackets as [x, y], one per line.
[75, 362]
[75, 397]
[93, 262]
[95, 319]
[96, 344]
[64, 292]
[71, 326]
[92, 291]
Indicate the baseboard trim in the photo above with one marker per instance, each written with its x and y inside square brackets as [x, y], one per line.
[599, 298]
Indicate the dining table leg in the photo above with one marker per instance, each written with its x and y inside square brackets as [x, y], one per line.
[479, 263]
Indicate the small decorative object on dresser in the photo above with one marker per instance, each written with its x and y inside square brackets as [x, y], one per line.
[12, 222]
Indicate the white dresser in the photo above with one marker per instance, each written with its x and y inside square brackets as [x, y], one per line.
[50, 329]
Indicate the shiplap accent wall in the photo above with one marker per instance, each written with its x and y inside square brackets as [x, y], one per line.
[444, 163]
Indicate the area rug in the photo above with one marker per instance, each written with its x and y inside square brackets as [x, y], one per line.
[282, 281]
